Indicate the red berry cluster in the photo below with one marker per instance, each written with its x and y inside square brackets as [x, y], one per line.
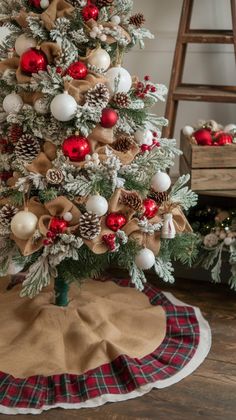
[56, 227]
[110, 241]
[155, 143]
[143, 88]
[6, 147]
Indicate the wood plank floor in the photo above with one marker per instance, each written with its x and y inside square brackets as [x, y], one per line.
[209, 393]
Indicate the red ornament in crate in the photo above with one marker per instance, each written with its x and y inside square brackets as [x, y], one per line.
[115, 221]
[33, 61]
[90, 11]
[76, 148]
[58, 225]
[109, 118]
[150, 208]
[224, 139]
[77, 70]
[203, 137]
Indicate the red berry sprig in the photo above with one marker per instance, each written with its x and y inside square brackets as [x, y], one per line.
[155, 143]
[143, 88]
[110, 241]
[56, 227]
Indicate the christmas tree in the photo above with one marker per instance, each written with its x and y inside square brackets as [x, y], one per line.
[84, 180]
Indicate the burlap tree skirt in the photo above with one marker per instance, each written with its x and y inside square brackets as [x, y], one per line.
[111, 343]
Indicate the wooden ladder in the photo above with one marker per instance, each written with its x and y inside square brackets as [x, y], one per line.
[179, 91]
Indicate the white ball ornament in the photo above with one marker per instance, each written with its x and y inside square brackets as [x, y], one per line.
[118, 75]
[44, 4]
[145, 259]
[188, 130]
[116, 20]
[23, 224]
[41, 106]
[68, 216]
[100, 59]
[144, 137]
[229, 127]
[97, 204]
[63, 107]
[12, 103]
[161, 182]
[24, 43]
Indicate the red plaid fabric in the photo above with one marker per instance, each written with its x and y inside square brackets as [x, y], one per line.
[122, 376]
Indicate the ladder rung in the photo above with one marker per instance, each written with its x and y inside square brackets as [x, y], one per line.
[205, 93]
[208, 36]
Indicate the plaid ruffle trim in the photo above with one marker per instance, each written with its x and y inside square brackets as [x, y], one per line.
[119, 378]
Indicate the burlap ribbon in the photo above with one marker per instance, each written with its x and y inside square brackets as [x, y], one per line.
[45, 212]
[56, 9]
[78, 88]
[180, 222]
[109, 25]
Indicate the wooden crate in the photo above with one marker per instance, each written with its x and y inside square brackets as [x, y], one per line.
[211, 168]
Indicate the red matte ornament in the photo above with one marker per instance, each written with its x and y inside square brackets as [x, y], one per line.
[224, 138]
[203, 137]
[90, 12]
[58, 225]
[77, 70]
[150, 208]
[33, 61]
[115, 221]
[109, 118]
[76, 148]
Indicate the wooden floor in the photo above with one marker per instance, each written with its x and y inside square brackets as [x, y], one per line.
[209, 393]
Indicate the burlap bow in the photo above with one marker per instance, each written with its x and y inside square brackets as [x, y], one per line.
[45, 212]
[180, 222]
[78, 88]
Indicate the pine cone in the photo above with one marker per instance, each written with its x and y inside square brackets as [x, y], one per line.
[27, 148]
[89, 226]
[54, 176]
[123, 143]
[137, 20]
[131, 199]
[98, 96]
[159, 197]
[104, 3]
[15, 132]
[121, 99]
[7, 212]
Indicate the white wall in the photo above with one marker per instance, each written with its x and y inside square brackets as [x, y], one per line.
[213, 64]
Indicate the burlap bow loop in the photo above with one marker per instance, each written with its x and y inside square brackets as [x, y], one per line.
[126, 202]
[78, 88]
[150, 241]
[40, 165]
[91, 24]
[180, 222]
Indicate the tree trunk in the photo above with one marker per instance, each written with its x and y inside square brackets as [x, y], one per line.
[61, 292]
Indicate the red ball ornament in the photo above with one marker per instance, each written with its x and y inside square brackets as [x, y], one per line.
[150, 208]
[76, 148]
[109, 118]
[33, 61]
[77, 70]
[224, 138]
[90, 12]
[35, 3]
[58, 225]
[203, 137]
[115, 221]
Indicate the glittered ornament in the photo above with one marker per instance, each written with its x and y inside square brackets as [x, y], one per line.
[109, 118]
[90, 12]
[115, 221]
[203, 137]
[160, 182]
[77, 70]
[76, 148]
[32, 61]
[58, 225]
[121, 75]
[150, 208]
[12, 103]
[224, 139]
[23, 224]
[145, 259]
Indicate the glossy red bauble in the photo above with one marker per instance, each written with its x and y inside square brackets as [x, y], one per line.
[35, 3]
[115, 221]
[109, 118]
[224, 138]
[76, 148]
[150, 208]
[203, 137]
[90, 12]
[33, 61]
[77, 70]
[58, 225]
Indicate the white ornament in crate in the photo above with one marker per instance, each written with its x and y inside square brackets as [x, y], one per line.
[12, 103]
[100, 59]
[144, 137]
[188, 130]
[161, 182]
[41, 106]
[63, 107]
[97, 204]
[168, 229]
[230, 128]
[24, 43]
[23, 224]
[119, 80]
[145, 259]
